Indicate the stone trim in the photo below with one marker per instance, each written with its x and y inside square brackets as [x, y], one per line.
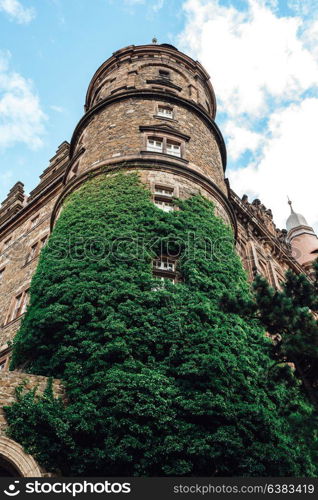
[164, 129]
[24, 464]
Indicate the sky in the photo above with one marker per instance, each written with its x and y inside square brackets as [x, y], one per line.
[262, 56]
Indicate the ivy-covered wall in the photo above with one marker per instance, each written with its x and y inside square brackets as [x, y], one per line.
[160, 381]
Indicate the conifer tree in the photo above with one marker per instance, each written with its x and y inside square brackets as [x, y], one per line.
[291, 315]
[160, 381]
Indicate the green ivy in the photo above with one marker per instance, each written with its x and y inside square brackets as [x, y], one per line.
[160, 381]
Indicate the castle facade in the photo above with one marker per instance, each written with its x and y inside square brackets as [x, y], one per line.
[149, 109]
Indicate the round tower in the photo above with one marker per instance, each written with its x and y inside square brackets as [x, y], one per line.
[151, 109]
[302, 238]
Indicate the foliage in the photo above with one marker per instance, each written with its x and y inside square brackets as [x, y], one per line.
[160, 380]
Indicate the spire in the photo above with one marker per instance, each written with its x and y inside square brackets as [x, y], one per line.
[297, 222]
[290, 203]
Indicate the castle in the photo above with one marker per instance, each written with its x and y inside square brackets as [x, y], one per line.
[148, 109]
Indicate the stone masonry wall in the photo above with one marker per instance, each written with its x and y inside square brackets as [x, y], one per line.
[114, 133]
[9, 381]
[141, 70]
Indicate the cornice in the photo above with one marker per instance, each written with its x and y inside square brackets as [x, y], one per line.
[267, 235]
[168, 129]
[151, 94]
[142, 163]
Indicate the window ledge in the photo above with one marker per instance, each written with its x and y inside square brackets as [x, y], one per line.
[159, 117]
[15, 320]
[29, 262]
[164, 155]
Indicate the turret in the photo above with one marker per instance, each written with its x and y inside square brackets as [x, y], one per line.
[151, 109]
[302, 237]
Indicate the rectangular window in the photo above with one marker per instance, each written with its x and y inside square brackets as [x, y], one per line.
[165, 191]
[174, 148]
[34, 221]
[165, 264]
[43, 241]
[2, 365]
[164, 269]
[166, 206]
[1, 274]
[165, 112]
[33, 253]
[19, 306]
[155, 144]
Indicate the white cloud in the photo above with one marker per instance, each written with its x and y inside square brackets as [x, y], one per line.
[252, 55]
[264, 67]
[17, 12]
[155, 5]
[21, 116]
[289, 163]
[241, 139]
[58, 109]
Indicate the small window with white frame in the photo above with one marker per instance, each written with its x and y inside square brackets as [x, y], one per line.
[163, 198]
[155, 144]
[164, 269]
[166, 206]
[164, 191]
[165, 112]
[173, 148]
[164, 264]
[164, 145]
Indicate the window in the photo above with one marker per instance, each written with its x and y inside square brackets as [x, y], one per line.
[164, 268]
[173, 148]
[165, 191]
[166, 206]
[155, 144]
[43, 241]
[7, 243]
[34, 221]
[163, 145]
[33, 253]
[3, 365]
[164, 74]
[165, 112]
[1, 274]
[36, 249]
[19, 306]
[163, 198]
[74, 171]
[165, 264]
[162, 281]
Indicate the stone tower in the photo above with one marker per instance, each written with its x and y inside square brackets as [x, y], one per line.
[151, 108]
[303, 240]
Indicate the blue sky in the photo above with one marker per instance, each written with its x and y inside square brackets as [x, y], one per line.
[262, 56]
